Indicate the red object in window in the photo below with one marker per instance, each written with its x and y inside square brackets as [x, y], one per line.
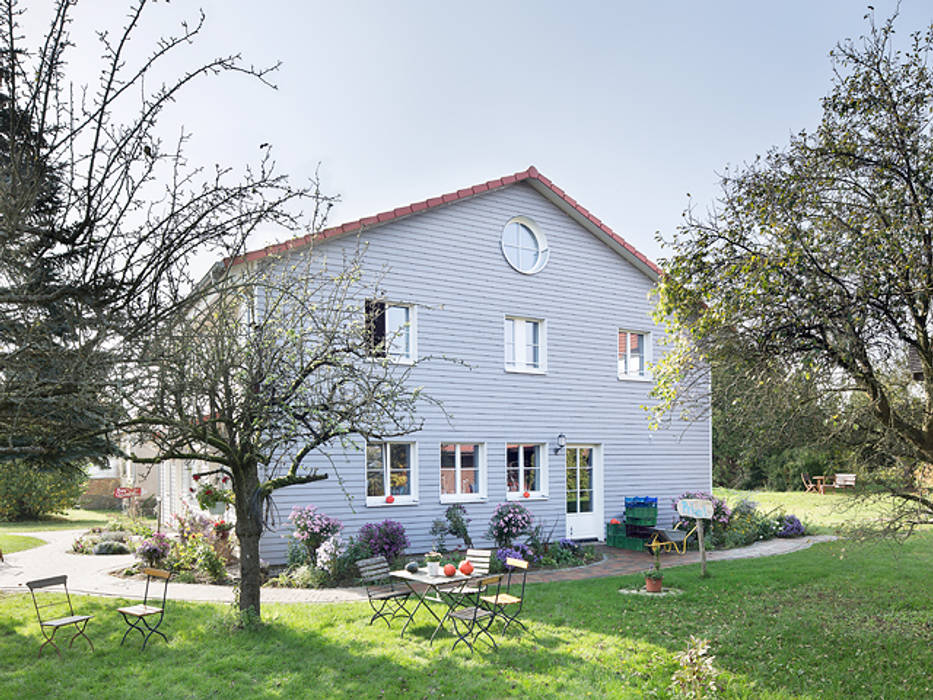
[614, 521]
[390, 499]
[526, 495]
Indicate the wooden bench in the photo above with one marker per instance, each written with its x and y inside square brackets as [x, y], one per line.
[843, 481]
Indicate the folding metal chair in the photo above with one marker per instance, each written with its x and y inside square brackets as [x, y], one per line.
[507, 605]
[382, 591]
[471, 621]
[52, 601]
[139, 617]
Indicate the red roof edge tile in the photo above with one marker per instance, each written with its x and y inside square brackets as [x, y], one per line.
[531, 173]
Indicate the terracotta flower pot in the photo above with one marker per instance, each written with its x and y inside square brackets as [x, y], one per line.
[653, 585]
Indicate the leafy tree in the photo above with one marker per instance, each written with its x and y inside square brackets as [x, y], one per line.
[262, 374]
[99, 222]
[819, 256]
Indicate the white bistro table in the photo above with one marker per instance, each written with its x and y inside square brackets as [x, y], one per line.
[442, 589]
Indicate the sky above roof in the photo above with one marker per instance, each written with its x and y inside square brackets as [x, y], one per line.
[627, 106]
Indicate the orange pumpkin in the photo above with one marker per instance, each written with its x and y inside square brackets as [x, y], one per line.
[614, 521]
[449, 569]
[466, 568]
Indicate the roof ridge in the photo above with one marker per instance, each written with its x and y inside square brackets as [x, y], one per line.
[531, 173]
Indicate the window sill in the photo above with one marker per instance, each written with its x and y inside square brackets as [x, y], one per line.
[525, 370]
[471, 498]
[392, 360]
[515, 496]
[381, 502]
[626, 378]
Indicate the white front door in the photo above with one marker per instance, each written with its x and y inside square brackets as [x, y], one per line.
[584, 511]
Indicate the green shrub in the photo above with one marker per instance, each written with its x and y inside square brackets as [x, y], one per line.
[111, 547]
[29, 491]
[134, 526]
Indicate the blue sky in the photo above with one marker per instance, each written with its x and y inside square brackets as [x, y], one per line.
[628, 106]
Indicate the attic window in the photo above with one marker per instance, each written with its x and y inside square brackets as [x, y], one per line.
[524, 246]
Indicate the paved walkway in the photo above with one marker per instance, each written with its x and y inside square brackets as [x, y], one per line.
[91, 574]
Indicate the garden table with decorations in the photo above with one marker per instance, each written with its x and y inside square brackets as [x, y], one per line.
[447, 590]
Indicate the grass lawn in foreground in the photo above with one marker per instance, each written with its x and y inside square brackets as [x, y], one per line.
[839, 620]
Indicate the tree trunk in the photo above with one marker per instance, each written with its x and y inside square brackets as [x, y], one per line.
[248, 531]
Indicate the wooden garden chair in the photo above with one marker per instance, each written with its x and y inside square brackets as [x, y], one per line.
[472, 621]
[143, 617]
[49, 611]
[480, 559]
[506, 604]
[809, 485]
[385, 598]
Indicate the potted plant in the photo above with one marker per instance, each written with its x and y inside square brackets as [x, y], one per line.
[433, 559]
[654, 577]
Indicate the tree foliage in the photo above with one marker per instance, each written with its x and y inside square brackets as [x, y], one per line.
[264, 373]
[819, 256]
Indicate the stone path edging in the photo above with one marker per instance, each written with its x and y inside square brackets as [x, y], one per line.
[91, 574]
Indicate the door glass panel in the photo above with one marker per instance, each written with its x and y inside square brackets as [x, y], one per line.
[586, 501]
[571, 480]
[511, 471]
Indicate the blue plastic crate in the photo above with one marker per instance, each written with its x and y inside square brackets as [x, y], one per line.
[640, 502]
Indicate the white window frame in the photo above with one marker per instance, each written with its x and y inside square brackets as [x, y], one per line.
[399, 358]
[534, 229]
[519, 340]
[481, 461]
[399, 500]
[543, 451]
[646, 357]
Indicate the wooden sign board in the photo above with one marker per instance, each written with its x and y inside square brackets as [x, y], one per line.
[127, 491]
[695, 508]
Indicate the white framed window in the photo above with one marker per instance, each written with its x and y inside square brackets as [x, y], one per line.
[525, 471]
[525, 345]
[524, 245]
[390, 330]
[391, 473]
[463, 472]
[634, 354]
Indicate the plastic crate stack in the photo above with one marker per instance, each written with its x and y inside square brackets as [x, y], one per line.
[641, 514]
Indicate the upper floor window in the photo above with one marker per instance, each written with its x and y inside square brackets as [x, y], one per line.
[524, 246]
[463, 472]
[391, 474]
[633, 354]
[390, 330]
[524, 345]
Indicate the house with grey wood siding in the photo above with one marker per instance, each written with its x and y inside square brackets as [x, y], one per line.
[549, 311]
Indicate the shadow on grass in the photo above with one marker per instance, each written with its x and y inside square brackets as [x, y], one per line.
[771, 622]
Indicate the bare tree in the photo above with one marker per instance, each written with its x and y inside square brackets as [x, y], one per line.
[263, 374]
[100, 220]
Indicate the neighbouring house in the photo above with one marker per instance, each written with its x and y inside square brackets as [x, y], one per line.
[550, 312]
[121, 471]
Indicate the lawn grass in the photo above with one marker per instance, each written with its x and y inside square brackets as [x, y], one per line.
[839, 620]
[74, 519]
[823, 513]
[17, 543]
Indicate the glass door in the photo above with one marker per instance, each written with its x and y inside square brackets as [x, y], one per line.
[582, 517]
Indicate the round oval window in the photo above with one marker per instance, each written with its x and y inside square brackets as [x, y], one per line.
[523, 245]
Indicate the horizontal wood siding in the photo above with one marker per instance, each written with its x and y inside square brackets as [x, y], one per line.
[448, 262]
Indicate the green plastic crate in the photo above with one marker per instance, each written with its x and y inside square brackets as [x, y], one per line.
[641, 515]
[622, 542]
[615, 529]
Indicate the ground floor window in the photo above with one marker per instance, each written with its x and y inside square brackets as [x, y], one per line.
[525, 470]
[391, 476]
[463, 472]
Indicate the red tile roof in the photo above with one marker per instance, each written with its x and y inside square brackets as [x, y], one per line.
[531, 175]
